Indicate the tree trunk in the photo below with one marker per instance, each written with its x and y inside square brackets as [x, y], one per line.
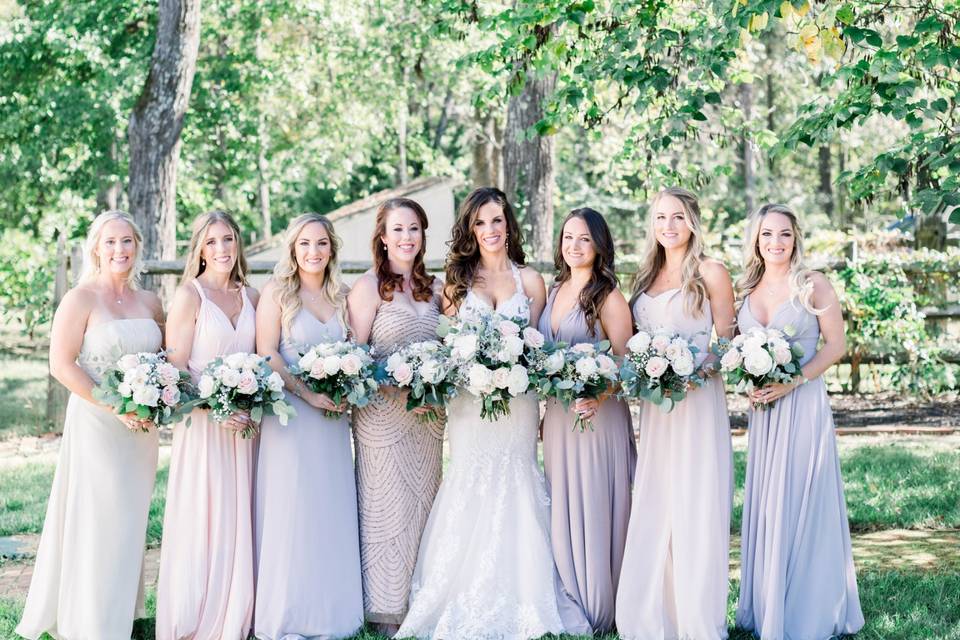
[156, 123]
[528, 171]
[747, 160]
[109, 192]
[825, 171]
[841, 203]
[485, 170]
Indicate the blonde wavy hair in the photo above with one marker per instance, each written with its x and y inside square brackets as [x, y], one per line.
[801, 285]
[286, 274]
[654, 257]
[91, 261]
[195, 265]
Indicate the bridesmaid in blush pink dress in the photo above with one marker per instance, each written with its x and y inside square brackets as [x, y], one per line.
[674, 580]
[205, 590]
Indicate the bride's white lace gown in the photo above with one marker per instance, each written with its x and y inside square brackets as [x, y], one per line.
[485, 568]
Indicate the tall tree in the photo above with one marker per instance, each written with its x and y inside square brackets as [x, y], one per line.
[156, 123]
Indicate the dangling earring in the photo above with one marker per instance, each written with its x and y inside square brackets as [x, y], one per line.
[203, 263]
[506, 242]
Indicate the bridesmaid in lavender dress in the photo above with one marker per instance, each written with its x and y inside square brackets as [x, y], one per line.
[798, 580]
[589, 473]
[87, 580]
[674, 580]
[308, 550]
[398, 457]
[205, 590]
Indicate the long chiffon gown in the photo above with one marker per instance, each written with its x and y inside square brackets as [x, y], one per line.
[674, 580]
[588, 475]
[399, 462]
[485, 568]
[205, 589]
[798, 580]
[308, 550]
[87, 580]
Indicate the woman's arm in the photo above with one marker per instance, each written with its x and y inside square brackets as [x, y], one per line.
[720, 291]
[831, 328]
[617, 321]
[181, 322]
[535, 289]
[66, 340]
[362, 304]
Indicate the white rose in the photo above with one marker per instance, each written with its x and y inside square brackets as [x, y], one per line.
[464, 347]
[393, 361]
[331, 365]
[229, 377]
[754, 343]
[731, 360]
[248, 383]
[660, 342]
[533, 338]
[758, 362]
[513, 345]
[146, 394]
[555, 362]
[275, 382]
[124, 389]
[251, 361]
[606, 364]
[403, 374]
[137, 376]
[501, 377]
[480, 380]
[307, 360]
[674, 351]
[170, 395]
[168, 374]
[509, 328]
[430, 371]
[518, 381]
[639, 342]
[206, 386]
[316, 371]
[774, 334]
[235, 360]
[586, 367]
[128, 362]
[584, 347]
[656, 366]
[350, 364]
[782, 354]
[739, 340]
[683, 366]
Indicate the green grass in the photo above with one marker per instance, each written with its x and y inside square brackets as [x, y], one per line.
[24, 491]
[23, 393]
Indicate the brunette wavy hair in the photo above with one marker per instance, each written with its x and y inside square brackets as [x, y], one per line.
[387, 280]
[603, 279]
[463, 254]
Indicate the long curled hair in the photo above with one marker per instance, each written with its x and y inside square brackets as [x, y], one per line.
[91, 261]
[195, 264]
[801, 285]
[463, 255]
[387, 280]
[654, 257]
[603, 278]
[286, 273]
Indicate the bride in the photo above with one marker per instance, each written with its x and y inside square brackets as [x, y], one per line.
[485, 568]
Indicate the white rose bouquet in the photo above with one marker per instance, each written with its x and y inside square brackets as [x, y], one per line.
[147, 385]
[659, 367]
[423, 368]
[343, 371]
[758, 357]
[582, 371]
[487, 356]
[243, 382]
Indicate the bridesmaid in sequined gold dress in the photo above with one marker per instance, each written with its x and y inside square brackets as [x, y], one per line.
[398, 458]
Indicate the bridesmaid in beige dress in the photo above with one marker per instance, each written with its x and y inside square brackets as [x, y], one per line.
[398, 458]
[87, 580]
[205, 590]
[589, 473]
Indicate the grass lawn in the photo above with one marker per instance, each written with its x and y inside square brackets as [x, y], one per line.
[23, 393]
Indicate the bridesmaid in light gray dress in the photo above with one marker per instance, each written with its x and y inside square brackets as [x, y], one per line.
[798, 580]
[307, 542]
[588, 473]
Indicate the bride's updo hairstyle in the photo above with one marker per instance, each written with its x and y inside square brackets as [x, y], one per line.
[463, 255]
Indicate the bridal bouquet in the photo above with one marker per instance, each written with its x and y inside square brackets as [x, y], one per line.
[758, 357]
[422, 368]
[487, 356]
[582, 371]
[659, 368]
[341, 370]
[147, 385]
[243, 382]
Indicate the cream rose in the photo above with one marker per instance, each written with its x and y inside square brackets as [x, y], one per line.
[533, 338]
[146, 394]
[639, 342]
[656, 366]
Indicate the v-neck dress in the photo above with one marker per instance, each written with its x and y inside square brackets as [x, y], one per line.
[589, 475]
[205, 589]
[399, 462]
[308, 550]
[797, 565]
